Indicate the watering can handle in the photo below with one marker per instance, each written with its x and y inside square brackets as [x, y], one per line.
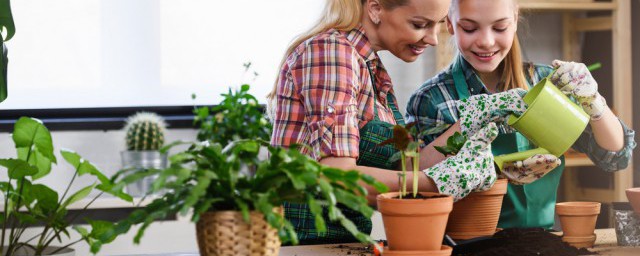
[518, 156]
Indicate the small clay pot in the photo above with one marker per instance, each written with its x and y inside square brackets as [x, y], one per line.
[477, 214]
[444, 251]
[578, 220]
[633, 194]
[414, 224]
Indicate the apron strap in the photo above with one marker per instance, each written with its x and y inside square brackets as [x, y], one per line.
[391, 100]
[459, 81]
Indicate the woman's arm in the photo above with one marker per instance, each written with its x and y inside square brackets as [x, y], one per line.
[608, 131]
[429, 156]
[390, 178]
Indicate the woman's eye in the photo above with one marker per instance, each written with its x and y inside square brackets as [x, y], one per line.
[419, 25]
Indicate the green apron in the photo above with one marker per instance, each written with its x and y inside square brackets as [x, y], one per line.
[530, 205]
[371, 134]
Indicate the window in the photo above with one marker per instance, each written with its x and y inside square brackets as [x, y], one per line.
[123, 53]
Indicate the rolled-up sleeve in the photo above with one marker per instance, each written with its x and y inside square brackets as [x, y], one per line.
[605, 159]
[326, 75]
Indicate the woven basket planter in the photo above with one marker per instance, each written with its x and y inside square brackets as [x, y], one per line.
[225, 233]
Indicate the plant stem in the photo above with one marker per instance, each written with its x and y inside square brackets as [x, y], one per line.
[415, 173]
[6, 216]
[403, 161]
[50, 240]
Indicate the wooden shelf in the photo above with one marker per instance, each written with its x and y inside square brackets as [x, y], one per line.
[569, 6]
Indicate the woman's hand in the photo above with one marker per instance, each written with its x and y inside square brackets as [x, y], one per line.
[472, 169]
[479, 110]
[574, 79]
[530, 169]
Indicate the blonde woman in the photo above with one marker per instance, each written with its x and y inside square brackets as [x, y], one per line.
[334, 95]
[489, 66]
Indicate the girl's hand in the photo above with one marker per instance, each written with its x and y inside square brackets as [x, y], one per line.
[530, 169]
[472, 169]
[479, 110]
[574, 79]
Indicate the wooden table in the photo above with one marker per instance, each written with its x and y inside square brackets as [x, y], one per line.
[606, 244]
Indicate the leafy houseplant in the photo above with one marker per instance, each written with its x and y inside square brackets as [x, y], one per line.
[206, 178]
[237, 116]
[145, 133]
[454, 144]
[30, 204]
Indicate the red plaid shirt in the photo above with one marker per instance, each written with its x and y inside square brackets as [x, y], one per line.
[324, 94]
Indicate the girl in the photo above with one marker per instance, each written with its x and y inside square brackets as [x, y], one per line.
[489, 61]
[333, 93]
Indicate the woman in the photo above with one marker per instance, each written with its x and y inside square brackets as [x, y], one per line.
[333, 92]
[489, 63]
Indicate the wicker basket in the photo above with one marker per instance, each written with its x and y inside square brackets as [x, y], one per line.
[225, 233]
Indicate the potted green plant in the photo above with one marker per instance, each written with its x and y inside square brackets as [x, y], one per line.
[145, 132]
[28, 203]
[206, 181]
[413, 222]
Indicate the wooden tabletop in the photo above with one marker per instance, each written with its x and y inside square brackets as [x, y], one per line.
[606, 244]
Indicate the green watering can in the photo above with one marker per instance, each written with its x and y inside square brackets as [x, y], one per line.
[552, 122]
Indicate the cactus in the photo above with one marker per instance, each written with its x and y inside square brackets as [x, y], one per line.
[145, 131]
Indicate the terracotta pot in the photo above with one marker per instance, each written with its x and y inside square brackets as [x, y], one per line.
[578, 221]
[444, 251]
[415, 224]
[633, 194]
[477, 214]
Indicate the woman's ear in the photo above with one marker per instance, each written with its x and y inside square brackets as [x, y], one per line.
[374, 10]
[450, 26]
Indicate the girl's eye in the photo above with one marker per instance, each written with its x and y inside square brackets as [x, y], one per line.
[500, 29]
[468, 30]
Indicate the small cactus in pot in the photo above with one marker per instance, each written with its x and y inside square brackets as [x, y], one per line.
[145, 133]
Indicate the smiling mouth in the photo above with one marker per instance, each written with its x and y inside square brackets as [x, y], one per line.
[486, 55]
[417, 49]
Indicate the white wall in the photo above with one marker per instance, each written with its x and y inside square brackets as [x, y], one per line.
[542, 44]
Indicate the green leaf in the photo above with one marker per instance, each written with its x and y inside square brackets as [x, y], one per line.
[47, 198]
[6, 20]
[29, 132]
[18, 168]
[78, 195]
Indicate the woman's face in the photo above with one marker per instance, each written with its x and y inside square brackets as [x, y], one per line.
[407, 30]
[484, 31]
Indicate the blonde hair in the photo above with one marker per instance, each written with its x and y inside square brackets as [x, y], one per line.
[342, 15]
[513, 74]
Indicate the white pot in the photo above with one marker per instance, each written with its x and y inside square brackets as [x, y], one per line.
[26, 251]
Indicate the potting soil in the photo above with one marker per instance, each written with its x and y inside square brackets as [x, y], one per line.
[523, 242]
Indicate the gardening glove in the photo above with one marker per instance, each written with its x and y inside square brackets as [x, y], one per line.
[530, 169]
[574, 79]
[471, 169]
[479, 110]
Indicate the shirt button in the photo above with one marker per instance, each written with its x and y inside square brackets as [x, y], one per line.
[330, 109]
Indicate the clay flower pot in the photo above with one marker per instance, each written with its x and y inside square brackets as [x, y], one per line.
[578, 221]
[478, 213]
[415, 224]
[633, 194]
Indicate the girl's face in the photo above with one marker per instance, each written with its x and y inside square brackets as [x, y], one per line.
[406, 31]
[484, 31]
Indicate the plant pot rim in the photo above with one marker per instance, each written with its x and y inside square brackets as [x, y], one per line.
[444, 250]
[637, 189]
[578, 208]
[392, 195]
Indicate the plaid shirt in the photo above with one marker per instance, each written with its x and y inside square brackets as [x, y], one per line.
[433, 104]
[324, 94]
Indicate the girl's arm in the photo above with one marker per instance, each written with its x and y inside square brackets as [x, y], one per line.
[608, 131]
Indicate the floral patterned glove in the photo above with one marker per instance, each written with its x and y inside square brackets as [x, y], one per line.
[530, 169]
[470, 170]
[574, 79]
[478, 110]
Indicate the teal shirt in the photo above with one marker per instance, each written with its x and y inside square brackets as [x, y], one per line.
[531, 205]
